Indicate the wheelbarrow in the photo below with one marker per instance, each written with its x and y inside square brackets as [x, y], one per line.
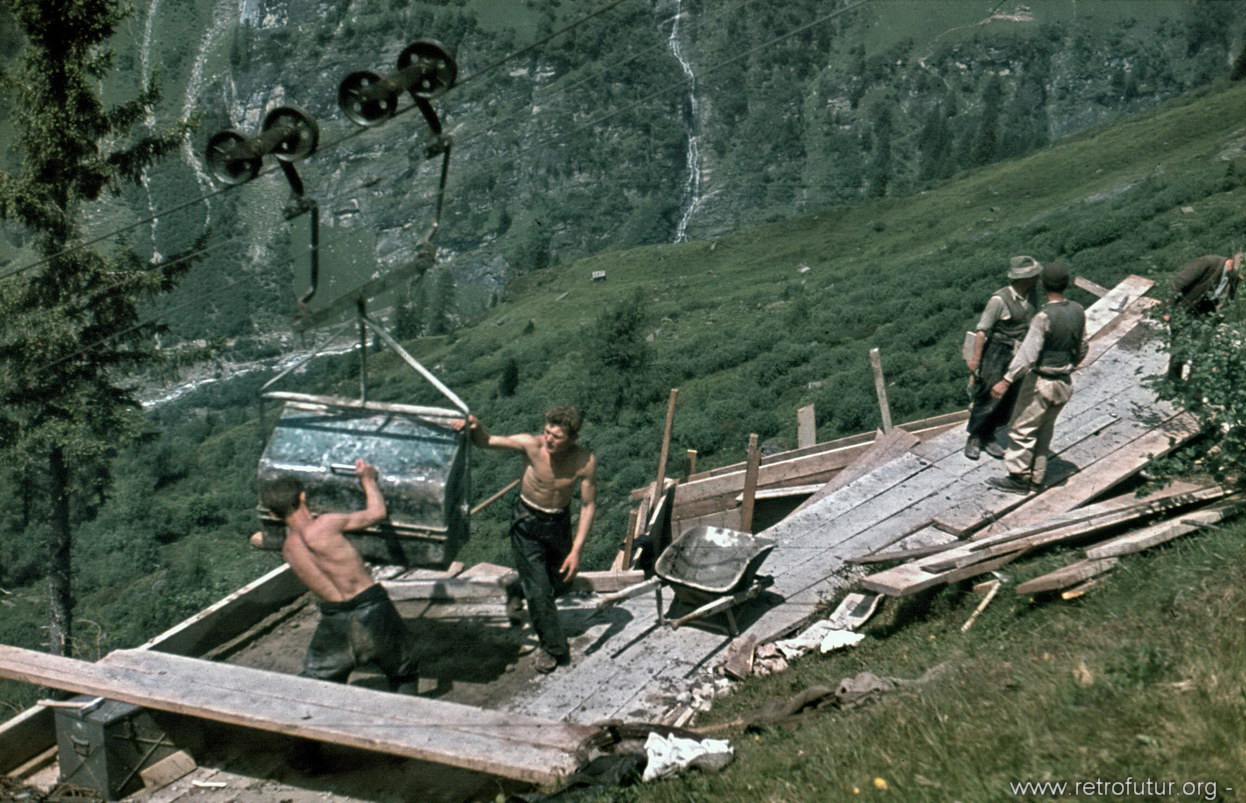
[710, 569]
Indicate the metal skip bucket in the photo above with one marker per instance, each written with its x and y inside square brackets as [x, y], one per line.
[422, 466]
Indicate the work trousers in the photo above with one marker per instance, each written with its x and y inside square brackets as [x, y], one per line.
[540, 542]
[986, 415]
[1029, 437]
[364, 628]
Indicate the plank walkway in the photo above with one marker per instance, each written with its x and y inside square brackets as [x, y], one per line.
[636, 670]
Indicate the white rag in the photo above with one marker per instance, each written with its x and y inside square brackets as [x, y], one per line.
[670, 755]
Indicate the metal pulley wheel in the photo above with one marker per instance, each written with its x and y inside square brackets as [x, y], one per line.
[365, 100]
[226, 161]
[296, 133]
[437, 69]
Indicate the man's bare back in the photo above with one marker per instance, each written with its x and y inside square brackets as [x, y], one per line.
[318, 551]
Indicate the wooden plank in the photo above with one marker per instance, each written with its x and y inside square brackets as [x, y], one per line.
[750, 484]
[783, 492]
[1129, 290]
[659, 483]
[882, 451]
[168, 769]
[230, 616]
[924, 429]
[909, 579]
[1067, 576]
[965, 553]
[606, 582]
[1107, 472]
[25, 736]
[806, 427]
[739, 659]
[1089, 286]
[524, 748]
[692, 463]
[449, 589]
[880, 389]
[1083, 529]
[496, 496]
[1164, 531]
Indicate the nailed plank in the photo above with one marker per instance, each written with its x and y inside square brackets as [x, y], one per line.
[1164, 531]
[1129, 290]
[1067, 576]
[881, 451]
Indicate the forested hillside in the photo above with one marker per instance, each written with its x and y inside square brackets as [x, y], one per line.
[700, 119]
[848, 200]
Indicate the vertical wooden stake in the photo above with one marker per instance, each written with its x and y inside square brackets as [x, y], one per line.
[806, 427]
[659, 484]
[624, 559]
[880, 387]
[692, 462]
[750, 484]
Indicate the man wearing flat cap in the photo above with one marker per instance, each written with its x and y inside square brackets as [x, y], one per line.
[1054, 345]
[1000, 330]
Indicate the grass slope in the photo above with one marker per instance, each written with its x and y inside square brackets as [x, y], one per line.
[1144, 678]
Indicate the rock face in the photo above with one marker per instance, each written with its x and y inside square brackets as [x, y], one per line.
[647, 123]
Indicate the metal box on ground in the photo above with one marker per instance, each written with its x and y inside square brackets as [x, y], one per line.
[422, 466]
[104, 747]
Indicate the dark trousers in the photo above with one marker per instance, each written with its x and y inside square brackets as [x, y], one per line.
[540, 542]
[365, 628]
[986, 415]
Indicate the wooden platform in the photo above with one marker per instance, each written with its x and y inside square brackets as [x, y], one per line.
[512, 746]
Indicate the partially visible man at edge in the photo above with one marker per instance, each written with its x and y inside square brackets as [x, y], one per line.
[1201, 288]
[1000, 330]
[358, 622]
[545, 553]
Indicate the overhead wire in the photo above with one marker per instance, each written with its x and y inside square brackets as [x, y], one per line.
[328, 146]
[493, 66]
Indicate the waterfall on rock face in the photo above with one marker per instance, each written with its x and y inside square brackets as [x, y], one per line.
[692, 183]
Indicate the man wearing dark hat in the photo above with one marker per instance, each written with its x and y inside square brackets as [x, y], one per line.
[1000, 330]
[1054, 345]
[1201, 288]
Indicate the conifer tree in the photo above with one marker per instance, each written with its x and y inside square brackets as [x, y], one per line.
[71, 323]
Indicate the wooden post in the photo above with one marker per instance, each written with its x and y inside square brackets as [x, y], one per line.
[750, 484]
[659, 484]
[494, 498]
[880, 386]
[806, 427]
[692, 462]
[624, 559]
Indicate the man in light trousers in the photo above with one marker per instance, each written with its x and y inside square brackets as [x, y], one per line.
[1054, 345]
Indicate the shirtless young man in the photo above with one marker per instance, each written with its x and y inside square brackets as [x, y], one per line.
[358, 622]
[545, 553]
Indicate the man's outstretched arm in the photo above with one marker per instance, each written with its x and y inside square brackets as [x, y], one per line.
[483, 439]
